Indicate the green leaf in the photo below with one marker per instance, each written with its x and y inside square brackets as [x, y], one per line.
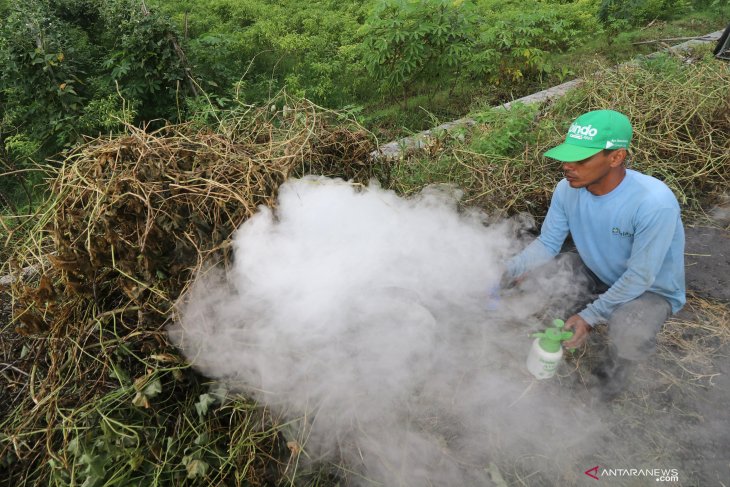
[94, 468]
[153, 388]
[496, 475]
[119, 374]
[204, 402]
[195, 467]
[73, 446]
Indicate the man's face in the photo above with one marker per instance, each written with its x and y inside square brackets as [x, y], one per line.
[597, 173]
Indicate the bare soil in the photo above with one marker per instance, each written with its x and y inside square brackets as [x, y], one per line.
[707, 261]
[675, 413]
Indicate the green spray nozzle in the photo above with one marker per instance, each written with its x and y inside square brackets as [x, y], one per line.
[550, 339]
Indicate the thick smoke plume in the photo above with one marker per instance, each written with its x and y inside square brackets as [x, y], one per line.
[364, 319]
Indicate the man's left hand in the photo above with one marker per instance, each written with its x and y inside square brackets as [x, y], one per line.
[580, 328]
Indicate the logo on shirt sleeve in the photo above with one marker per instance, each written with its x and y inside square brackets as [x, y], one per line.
[617, 231]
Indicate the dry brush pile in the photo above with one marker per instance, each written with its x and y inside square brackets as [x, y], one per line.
[93, 393]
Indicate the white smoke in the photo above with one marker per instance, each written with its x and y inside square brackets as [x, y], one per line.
[362, 318]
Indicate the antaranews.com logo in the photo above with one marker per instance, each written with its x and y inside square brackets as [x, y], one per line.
[659, 474]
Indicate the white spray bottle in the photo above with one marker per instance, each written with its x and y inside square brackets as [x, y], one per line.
[546, 351]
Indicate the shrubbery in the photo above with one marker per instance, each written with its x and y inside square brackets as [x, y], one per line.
[254, 48]
[636, 12]
[517, 38]
[61, 61]
[83, 67]
[428, 41]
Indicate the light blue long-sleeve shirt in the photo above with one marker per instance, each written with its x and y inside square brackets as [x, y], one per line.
[632, 239]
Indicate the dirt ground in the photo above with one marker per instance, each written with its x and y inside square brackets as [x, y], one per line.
[696, 403]
[675, 413]
[707, 261]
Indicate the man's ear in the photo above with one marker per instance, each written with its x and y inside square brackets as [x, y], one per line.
[618, 157]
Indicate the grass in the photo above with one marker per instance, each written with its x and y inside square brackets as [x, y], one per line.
[614, 47]
[391, 119]
[689, 342]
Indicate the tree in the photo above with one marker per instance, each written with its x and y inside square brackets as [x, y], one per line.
[64, 65]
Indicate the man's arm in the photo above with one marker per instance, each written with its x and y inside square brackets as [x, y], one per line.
[552, 235]
[652, 239]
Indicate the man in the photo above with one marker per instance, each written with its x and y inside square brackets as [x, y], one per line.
[628, 232]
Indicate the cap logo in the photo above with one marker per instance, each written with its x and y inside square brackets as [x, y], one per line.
[581, 132]
[609, 144]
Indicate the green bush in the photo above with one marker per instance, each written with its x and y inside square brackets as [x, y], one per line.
[504, 132]
[517, 39]
[143, 58]
[637, 12]
[410, 41]
[251, 49]
[80, 67]
[42, 58]
[61, 62]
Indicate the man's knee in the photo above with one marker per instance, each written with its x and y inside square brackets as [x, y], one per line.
[633, 327]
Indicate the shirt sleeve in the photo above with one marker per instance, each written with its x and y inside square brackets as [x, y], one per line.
[652, 239]
[552, 235]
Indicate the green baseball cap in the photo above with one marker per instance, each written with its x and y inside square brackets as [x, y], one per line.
[591, 133]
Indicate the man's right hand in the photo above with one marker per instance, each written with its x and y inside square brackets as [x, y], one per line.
[508, 282]
[580, 328]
